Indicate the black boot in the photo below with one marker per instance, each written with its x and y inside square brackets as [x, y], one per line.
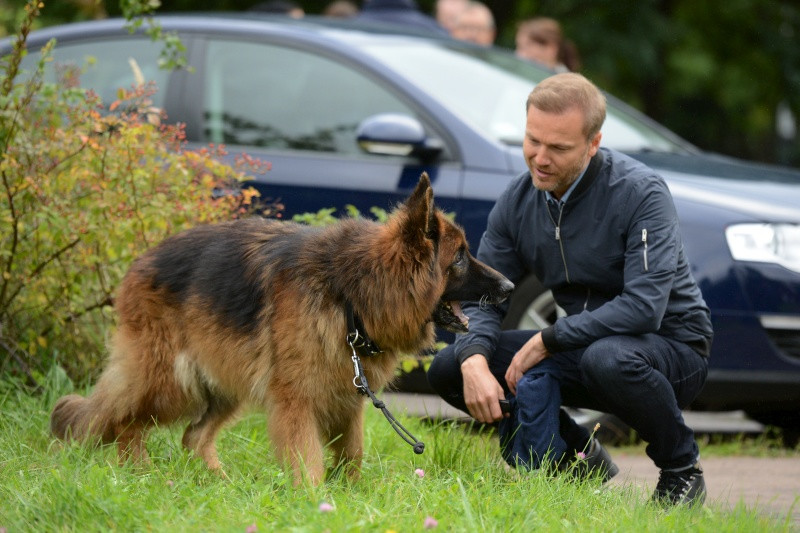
[595, 461]
[682, 487]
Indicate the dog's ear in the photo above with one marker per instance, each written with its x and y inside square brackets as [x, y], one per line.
[421, 211]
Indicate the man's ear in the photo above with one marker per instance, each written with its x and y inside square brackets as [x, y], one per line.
[421, 221]
[594, 143]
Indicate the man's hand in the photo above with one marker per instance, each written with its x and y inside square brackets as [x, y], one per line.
[482, 392]
[531, 353]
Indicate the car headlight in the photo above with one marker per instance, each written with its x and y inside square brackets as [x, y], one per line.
[766, 243]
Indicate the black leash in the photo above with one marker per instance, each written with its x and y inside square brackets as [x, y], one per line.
[365, 345]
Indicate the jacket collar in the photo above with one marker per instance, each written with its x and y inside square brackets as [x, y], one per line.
[592, 171]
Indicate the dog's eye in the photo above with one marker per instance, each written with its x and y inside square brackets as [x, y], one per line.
[461, 258]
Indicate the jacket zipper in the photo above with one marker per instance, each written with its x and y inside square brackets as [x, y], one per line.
[644, 240]
[558, 237]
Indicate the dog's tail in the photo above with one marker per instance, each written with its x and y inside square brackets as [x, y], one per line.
[90, 419]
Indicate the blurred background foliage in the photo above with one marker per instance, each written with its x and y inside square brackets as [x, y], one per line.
[719, 72]
[724, 74]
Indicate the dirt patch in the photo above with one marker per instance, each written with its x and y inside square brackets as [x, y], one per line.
[769, 485]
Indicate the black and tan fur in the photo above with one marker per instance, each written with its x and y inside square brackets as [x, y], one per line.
[251, 312]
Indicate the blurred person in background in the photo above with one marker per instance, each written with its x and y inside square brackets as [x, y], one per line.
[447, 11]
[291, 9]
[476, 24]
[540, 39]
[341, 9]
[399, 13]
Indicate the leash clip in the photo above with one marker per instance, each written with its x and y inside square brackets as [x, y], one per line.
[358, 377]
[355, 340]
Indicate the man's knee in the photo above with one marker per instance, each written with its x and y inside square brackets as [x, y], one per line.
[604, 360]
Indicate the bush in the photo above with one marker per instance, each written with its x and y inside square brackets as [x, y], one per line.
[326, 217]
[85, 189]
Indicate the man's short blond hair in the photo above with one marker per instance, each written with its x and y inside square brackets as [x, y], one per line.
[562, 92]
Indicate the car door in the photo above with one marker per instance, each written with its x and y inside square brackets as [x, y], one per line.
[299, 109]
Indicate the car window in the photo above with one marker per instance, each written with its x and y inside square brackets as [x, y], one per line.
[258, 94]
[489, 88]
[106, 66]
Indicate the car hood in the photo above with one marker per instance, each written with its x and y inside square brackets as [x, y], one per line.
[761, 192]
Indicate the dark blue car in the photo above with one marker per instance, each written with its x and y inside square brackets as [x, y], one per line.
[350, 114]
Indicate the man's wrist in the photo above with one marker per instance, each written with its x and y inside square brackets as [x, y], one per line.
[470, 351]
[549, 339]
[476, 359]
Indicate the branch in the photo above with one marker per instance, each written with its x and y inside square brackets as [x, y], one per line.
[23, 366]
[6, 274]
[39, 268]
[108, 300]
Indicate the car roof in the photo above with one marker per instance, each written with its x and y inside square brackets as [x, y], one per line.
[310, 26]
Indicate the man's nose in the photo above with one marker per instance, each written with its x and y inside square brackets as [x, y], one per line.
[541, 157]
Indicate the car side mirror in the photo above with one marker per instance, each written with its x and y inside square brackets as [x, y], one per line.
[396, 134]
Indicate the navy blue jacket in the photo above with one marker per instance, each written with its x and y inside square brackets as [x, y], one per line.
[612, 255]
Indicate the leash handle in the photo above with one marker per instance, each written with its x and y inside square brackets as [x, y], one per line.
[399, 428]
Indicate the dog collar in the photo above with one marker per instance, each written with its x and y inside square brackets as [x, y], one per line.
[356, 334]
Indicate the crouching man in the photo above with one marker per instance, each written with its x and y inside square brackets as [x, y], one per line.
[600, 230]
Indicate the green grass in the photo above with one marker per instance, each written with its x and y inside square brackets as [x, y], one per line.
[49, 486]
[766, 444]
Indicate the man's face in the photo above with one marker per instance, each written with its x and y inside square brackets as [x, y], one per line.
[473, 26]
[555, 148]
[546, 53]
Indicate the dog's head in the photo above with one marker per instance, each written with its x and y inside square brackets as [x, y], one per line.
[461, 277]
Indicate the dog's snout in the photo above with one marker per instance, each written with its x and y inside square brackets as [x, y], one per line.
[506, 288]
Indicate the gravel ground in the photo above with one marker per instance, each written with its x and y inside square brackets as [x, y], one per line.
[769, 484]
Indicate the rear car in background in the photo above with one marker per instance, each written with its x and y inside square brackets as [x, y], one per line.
[352, 114]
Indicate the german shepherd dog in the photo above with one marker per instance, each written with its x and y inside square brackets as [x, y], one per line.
[253, 312]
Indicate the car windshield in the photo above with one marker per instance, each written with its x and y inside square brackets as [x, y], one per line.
[489, 87]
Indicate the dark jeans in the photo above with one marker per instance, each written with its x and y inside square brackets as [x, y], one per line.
[644, 380]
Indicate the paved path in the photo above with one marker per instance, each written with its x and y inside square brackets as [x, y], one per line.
[771, 485]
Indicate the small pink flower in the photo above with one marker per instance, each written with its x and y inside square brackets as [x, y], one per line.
[430, 522]
[170, 483]
[419, 472]
[325, 507]
[581, 455]
[252, 528]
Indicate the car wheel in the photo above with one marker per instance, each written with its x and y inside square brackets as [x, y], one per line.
[533, 307]
[787, 421]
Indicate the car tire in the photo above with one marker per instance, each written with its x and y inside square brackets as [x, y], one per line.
[533, 307]
[787, 421]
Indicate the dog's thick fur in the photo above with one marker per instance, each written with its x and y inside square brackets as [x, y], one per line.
[252, 312]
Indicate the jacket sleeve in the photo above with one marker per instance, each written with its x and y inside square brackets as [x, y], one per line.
[497, 250]
[650, 265]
